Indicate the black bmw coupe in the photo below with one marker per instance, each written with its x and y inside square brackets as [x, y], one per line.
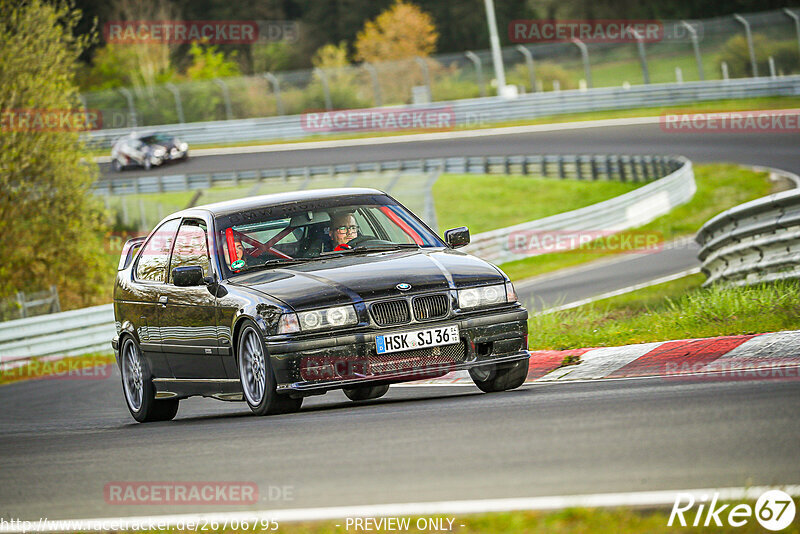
[271, 299]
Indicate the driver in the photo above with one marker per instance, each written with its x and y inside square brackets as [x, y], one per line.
[343, 230]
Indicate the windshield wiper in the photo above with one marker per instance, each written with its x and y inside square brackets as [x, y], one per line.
[375, 248]
[274, 263]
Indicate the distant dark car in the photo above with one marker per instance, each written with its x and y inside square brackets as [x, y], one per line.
[252, 300]
[147, 150]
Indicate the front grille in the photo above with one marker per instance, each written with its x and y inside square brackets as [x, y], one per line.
[390, 312]
[416, 360]
[430, 307]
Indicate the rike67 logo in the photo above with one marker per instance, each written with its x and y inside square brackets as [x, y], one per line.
[774, 510]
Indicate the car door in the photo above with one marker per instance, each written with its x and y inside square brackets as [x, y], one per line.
[149, 277]
[187, 315]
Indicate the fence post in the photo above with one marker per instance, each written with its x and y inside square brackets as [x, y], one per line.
[227, 96]
[425, 76]
[23, 313]
[472, 56]
[326, 90]
[696, 47]
[55, 307]
[529, 62]
[796, 20]
[131, 108]
[724, 67]
[376, 86]
[678, 75]
[749, 35]
[587, 69]
[178, 105]
[772, 73]
[642, 57]
[276, 90]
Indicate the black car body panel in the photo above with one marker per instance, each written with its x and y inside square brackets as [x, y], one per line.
[188, 335]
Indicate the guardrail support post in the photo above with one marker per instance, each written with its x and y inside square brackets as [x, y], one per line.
[131, 108]
[724, 67]
[635, 161]
[578, 169]
[772, 73]
[593, 167]
[621, 169]
[544, 166]
[696, 47]
[425, 76]
[227, 96]
[276, 90]
[587, 69]
[749, 35]
[472, 56]
[376, 86]
[561, 173]
[323, 79]
[529, 63]
[178, 105]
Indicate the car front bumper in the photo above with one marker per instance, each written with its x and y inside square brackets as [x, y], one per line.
[497, 338]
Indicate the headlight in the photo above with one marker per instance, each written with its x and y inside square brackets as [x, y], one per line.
[327, 318]
[159, 152]
[183, 147]
[480, 297]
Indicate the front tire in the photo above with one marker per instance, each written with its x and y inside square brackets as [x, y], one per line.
[116, 165]
[366, 393]
[256, 376]
[492, 379]
[137, 385]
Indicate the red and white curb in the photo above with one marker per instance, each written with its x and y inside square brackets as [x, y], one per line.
[759, 356]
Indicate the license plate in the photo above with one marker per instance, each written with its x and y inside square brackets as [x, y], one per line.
[432, 337]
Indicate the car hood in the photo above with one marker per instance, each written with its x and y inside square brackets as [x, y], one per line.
[347, 279]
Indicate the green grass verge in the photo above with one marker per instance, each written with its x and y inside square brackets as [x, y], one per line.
[679, 309]
[488, 202]
[571, 520]
[742, 104]
[69, 368]
[719, 187]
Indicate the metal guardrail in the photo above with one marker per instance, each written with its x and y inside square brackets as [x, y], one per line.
[673, 186]
[582, 167]
[477, 111]
[671, 182]
[67, 333]
[758, 241]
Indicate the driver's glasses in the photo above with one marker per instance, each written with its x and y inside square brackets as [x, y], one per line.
[347, 229]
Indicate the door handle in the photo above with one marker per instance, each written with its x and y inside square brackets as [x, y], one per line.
[163, 300]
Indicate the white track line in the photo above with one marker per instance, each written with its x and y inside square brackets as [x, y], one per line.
[466, 507]
[617, 292]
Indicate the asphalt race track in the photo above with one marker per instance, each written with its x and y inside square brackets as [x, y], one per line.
[63, 441]
[769, 149]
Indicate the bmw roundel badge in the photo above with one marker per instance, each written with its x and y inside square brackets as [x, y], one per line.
[402, 286]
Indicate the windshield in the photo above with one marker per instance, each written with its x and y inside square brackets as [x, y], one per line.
[302, 232]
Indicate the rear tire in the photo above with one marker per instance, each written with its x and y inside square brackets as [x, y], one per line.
[138, 389]
[491, 380]
[116, 165]
[366, 393]
[256, 376]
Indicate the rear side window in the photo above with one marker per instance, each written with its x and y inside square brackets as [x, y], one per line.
[191, 247]
[154, 258]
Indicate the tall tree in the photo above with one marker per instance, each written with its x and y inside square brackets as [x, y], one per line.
[402, 31]
[51, 226]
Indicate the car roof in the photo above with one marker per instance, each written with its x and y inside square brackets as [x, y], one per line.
[247, 203]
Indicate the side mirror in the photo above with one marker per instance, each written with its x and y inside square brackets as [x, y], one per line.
[187, 276]
[457, 237]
